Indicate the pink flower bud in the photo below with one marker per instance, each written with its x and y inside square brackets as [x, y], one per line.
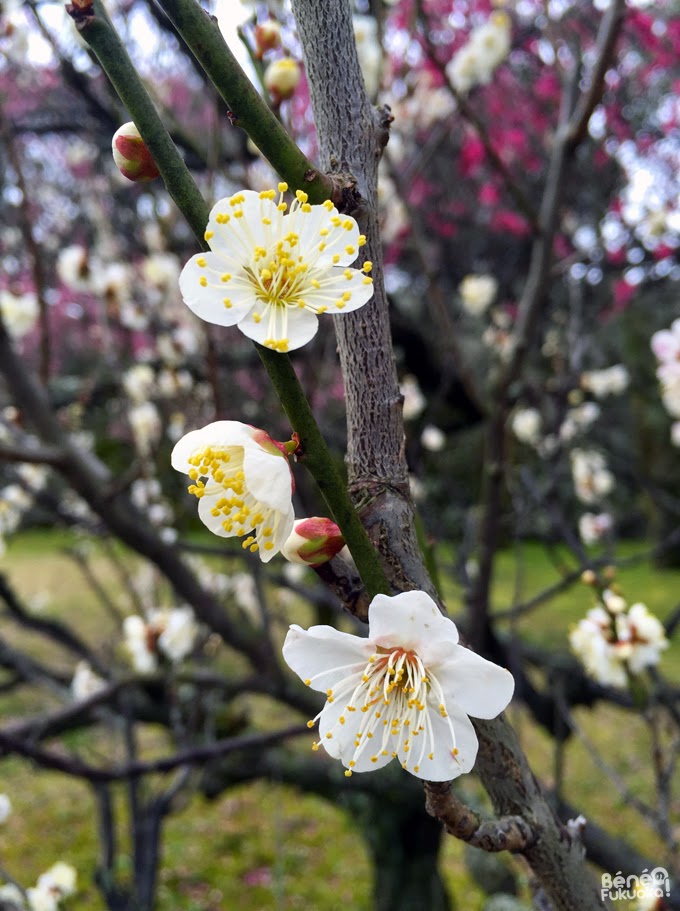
[267, 36]
[281, 77]
[313, 542]
[132, 157]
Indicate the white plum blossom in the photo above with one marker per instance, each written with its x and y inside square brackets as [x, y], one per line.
[177, 631]
[404, 692]
[414, 400]
[486, 48]
[433, 438]
[594, 527]
[145, 422]
[369, 51]
[19, 312]
[60, 880]
[140, 644]
[272, 271]
[578, 420]
[477, 293]
[86, 682]
[602, 383]
[13, 895]
[5, 808]
[592, 479]
[612, 642]
[526, 425]
[41, 900]
[243, 483]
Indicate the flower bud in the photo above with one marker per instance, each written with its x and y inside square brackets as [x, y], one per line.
[267, 37]
[313, 542]
[131, 156]
[281, 77]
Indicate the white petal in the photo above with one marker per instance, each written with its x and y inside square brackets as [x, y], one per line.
[334, 285]
[214, 301]
[239, 236]
[410, 620]
[277, 323]
[325, 655]
[444, 766]
[218, 433]
[283, 525]
[268, 478]
[480, 687]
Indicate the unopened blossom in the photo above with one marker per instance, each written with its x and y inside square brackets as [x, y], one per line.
[19, 312]
[61, 880]
[267, 37]
[592, 479]
[131, 155]
[5, 808]
[403, 693]
[526, 425]
[272, 271]
[243, 484]
[602, 383]
[282, 77]
[313, 541]
[86, 682]
[594, 527]
[477, 293]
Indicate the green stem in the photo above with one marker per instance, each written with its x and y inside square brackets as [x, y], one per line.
[317, 460]
[98, 31]
[100, 34]
[204, 39]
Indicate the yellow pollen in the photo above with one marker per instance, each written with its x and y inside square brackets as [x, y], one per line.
[368, 280]
[310, 724]
[227, 303]
[257, 318]
[306, 207]
[328, 205]
[348, 773]
[209, 235]
[283, 186]
[301, 196]
[346, 296]
[266, 221]
[267, 194]
[324, 232]
[225, 277]
[282, 206]
[348, 224]
[315, 746]
[201, 263]
[350, 250]
[336, 259]
[203, 281]
[367, 266]
[269, 546]
[308, 682]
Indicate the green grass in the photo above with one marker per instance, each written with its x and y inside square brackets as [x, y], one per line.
[265, 846]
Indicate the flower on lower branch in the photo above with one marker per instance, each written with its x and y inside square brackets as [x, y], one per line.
[272, 271]
[243, 483]
[404, 692]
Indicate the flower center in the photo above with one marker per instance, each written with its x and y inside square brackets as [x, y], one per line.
[395, 694]
[217, 473]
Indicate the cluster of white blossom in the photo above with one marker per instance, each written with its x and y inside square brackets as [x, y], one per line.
[527, 425]
[17, 498]
[614, 641]
[666, 347]
[487, 47]
[170, 633]
[603, 383]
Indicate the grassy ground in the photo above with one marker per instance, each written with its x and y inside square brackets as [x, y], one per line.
[265, 846]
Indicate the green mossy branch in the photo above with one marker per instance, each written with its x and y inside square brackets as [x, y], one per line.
[204, 39]
[102, 37]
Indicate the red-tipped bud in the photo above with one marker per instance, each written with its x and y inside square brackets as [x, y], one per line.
[132, 157]
[267, 37]
[281, 78]
[313, 542]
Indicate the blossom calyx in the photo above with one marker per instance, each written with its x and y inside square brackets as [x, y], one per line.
[131, 155]
[313, 542]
